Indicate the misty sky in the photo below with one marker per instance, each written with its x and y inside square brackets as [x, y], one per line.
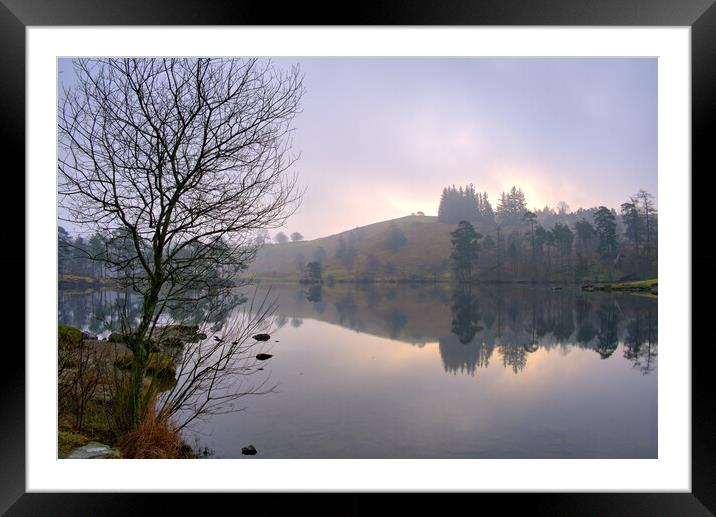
[380, 137]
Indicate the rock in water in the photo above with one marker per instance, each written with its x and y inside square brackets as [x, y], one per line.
[261, 337]
[263, 357]
[249, 451]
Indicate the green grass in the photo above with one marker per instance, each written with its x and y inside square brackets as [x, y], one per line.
[626, 286]
[646, 284]
[643, 294]
[643, 287]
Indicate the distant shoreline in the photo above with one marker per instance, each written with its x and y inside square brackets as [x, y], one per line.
[649, 285]
[85, 282]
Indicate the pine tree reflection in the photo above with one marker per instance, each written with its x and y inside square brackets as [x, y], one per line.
[313, 293]
[465, 314]
[640, 344]
[396, 321]
[607, 335]
[469, 323]
[539, 318]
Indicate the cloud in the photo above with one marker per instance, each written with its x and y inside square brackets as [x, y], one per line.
[380, 137]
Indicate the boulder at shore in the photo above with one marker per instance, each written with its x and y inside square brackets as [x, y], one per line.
[93, 450]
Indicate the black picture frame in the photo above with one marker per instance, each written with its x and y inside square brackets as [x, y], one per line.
[700, 15]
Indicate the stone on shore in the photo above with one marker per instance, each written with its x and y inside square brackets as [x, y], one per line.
[93, 450]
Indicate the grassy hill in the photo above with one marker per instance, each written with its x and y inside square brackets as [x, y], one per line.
[424, 253]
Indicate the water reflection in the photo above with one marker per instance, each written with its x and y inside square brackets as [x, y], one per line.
[477, 325]
[381, 371]
[517, 324]
[99, 311]
[473, 326]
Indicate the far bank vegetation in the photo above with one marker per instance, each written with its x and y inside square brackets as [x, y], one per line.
[512, 244]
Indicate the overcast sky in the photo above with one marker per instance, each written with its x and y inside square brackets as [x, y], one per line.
[380, 137]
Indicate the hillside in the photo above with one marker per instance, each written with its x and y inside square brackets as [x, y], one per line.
[398, 248]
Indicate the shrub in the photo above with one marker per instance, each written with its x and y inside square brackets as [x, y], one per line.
[118, 408]
[79, 370]
[68, 337]
[124, 406]
[159, 364]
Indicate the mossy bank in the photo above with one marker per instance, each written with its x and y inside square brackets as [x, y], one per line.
[649, 287]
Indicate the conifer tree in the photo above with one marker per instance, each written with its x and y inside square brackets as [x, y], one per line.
[464, 251]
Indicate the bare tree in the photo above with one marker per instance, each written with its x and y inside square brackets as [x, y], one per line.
[180, 162]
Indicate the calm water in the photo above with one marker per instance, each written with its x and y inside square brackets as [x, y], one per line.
[425, 372]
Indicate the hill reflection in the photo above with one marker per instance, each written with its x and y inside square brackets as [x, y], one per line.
[477, 325]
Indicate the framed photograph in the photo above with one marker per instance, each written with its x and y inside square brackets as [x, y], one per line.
[418, 250]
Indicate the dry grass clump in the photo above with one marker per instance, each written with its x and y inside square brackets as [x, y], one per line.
[155, 437]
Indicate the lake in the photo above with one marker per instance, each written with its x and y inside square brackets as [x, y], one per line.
[431, 371]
